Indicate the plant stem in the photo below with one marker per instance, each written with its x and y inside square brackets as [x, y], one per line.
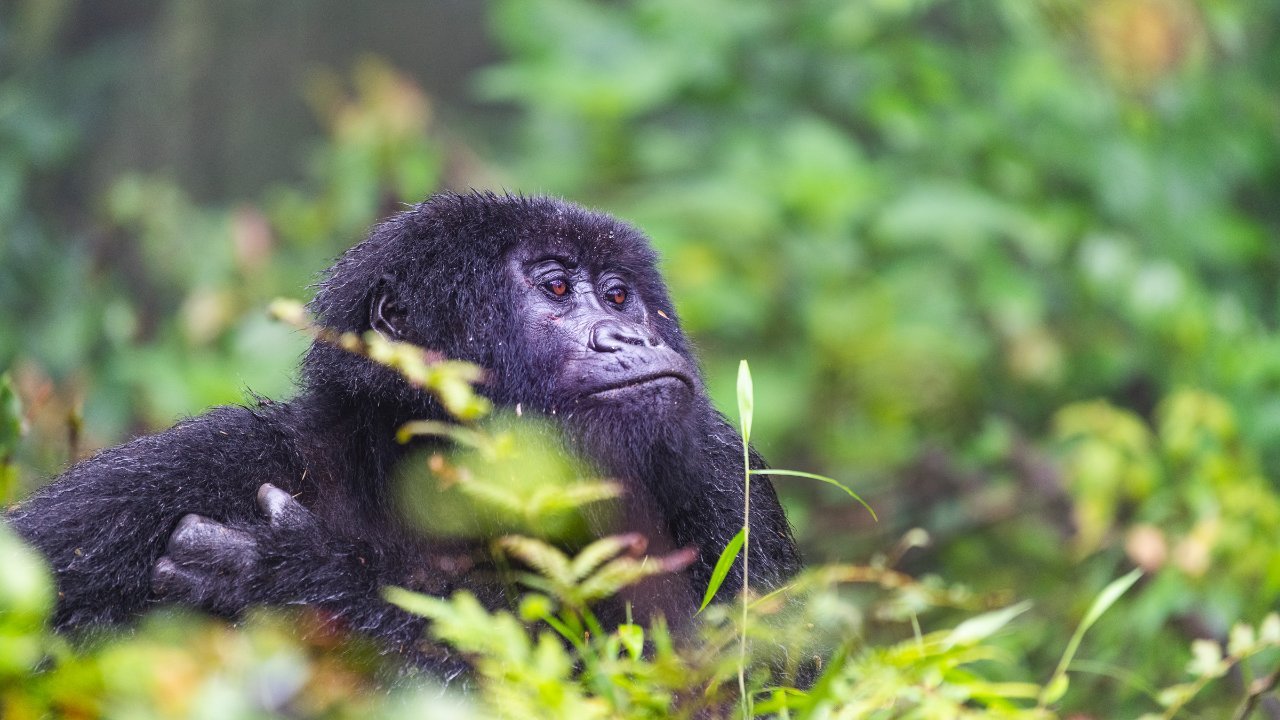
[746, 567]
[1257, 689]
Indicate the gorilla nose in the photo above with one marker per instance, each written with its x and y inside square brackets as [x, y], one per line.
[612, 336]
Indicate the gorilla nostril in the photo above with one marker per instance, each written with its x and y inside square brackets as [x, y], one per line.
[612, 336]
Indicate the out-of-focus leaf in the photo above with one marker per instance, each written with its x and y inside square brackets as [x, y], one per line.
[983, 626]
[590, 557]
[632, 637]
[544, 558]
[1106, 598]
[10, 417]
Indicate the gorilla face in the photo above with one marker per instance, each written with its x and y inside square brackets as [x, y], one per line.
[588, 333]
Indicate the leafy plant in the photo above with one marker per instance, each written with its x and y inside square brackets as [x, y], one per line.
[11, 430]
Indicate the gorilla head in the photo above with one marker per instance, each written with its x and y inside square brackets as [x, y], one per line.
[564, 307]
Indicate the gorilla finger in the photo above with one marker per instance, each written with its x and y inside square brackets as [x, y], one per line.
[199, 539]
[281, 509]
[170, 581]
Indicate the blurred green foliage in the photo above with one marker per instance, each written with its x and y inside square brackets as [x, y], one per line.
[933, 212]
[1009, 269]
[551, 658]
[515, 477]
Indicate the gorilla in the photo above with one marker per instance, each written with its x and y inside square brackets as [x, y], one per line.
[292, 503]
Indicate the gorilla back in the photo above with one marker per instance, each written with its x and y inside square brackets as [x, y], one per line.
[290, 503]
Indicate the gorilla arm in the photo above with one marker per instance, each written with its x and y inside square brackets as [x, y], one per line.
[103, 523]
[117, 531]
[291, 559]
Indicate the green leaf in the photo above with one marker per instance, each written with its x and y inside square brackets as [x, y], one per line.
[10, 416]
[822, 478]
[780, 701]
[457, 433]
[598, 552]
[746, 400]
[10, 435]
[289, 311]
[1101, 604]
[535, 606]
[1001, 690]
[1107, 598]
[416, 603]
[1054, 691]
[26, 589]
[632, 637]
[546, 559]
[722, 566]
[983, 626]
[625, 571]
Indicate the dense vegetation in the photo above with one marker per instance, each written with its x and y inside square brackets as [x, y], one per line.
[1008, 270]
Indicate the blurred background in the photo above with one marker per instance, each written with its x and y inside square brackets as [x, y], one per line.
[1009, 269]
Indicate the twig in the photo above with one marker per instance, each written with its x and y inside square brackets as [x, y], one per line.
[1257, 689]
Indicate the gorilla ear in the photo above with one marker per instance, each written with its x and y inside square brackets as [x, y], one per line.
[387, 315]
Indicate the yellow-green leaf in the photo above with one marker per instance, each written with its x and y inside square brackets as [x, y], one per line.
[746, 400]
[1054, 691]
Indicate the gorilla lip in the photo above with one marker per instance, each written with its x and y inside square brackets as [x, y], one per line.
[641, 380]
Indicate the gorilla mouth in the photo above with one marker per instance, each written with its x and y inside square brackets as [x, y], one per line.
[627, 385]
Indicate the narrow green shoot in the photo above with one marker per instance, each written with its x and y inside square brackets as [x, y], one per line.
[821, 478]
[746, 406]
[721, 570]
[741, 543]
[1057, 685]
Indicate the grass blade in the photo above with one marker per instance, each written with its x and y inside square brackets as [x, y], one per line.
[722, 567]
[1057, 685]
[1109, 595]
[821, 478]
[746, 400]
[985, 625]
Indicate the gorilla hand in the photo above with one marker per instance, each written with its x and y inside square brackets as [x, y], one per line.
[291, 559]
[223, 569]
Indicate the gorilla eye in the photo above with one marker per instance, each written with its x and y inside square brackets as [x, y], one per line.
[617, 296]
[558, 287]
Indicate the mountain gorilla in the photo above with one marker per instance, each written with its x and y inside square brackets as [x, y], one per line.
[292, 503]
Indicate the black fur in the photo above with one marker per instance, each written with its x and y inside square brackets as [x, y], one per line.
[447, 265]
